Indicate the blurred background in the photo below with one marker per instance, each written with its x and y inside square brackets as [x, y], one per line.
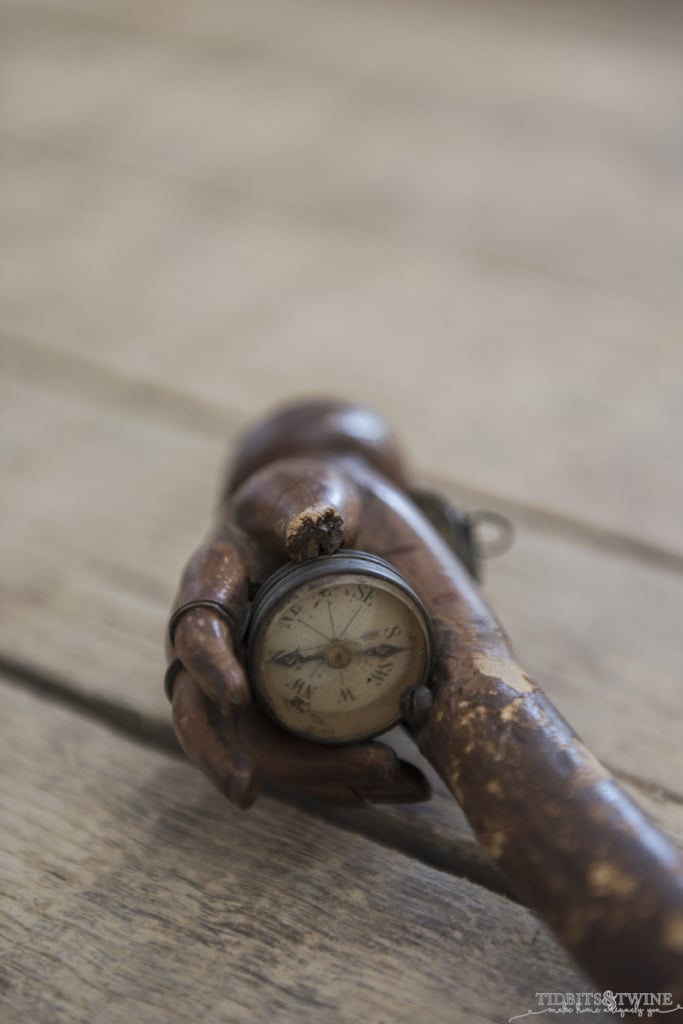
[467, 215]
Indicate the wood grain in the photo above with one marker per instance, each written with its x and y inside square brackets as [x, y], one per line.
[201, 208]
[133, 892]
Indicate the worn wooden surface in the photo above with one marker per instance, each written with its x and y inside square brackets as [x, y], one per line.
[470, 216]
[152, 900]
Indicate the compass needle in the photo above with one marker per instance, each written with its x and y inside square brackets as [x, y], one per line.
[351, 620]
[318, 631]
[329, 612]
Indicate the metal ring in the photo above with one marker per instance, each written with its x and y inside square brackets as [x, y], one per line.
[169, 679]
[501, 542]
[215, 606]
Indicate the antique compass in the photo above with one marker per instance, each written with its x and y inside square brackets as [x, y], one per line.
[333, 643]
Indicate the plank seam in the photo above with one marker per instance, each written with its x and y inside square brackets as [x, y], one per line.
[31, 362]
[221, 192]
[458, 858]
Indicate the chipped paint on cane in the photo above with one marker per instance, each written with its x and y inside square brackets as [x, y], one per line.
[494, 787]
[510, 710]
[606, 879]
[504, 669]
[496, 844]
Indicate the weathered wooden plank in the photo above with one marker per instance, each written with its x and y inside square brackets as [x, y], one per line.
[244, 309]
[134, 893]
[614, 126]
[358, 195]
[101, 509]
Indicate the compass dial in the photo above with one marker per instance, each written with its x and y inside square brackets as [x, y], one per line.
[333, 644]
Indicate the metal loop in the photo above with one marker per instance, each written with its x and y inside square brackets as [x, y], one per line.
[453, 526]
[169, 679]
[215, 606]
[501, 541]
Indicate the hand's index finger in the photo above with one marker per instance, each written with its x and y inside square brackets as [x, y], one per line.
[206, 649]
[206, 627]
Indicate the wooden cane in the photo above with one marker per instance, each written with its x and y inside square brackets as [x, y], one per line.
[320, 477]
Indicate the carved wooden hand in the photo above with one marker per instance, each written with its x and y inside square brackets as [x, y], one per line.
[299, 488]
[571, 843]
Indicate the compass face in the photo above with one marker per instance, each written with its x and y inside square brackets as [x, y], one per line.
[333, 645]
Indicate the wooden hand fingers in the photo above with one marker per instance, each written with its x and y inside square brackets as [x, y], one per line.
[241, 750]
[209, 617]
[209, 739]
[204, 645]
[299, 509]
[360, 771]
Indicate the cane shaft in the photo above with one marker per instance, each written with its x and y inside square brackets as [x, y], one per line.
[571, 843]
